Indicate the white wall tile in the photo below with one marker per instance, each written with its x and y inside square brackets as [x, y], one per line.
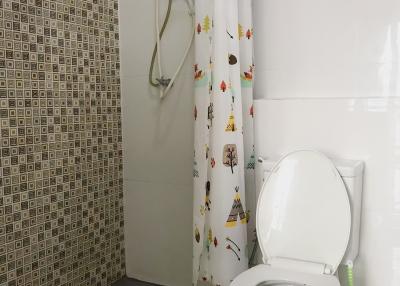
[137, 36]
[379, 260]
[157, 135]
[323, 48]
[158, 232]
[157, 146]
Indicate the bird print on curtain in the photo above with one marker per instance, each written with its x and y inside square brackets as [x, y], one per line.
[224, 160]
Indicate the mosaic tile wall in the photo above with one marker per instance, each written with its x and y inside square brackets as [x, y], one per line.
[61, 217]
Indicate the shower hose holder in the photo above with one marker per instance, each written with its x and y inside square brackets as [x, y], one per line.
[164, 82]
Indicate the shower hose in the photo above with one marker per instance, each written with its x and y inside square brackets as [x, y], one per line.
[163, 84]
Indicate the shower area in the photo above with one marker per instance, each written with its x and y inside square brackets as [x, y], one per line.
[73, 124]
[158, 143]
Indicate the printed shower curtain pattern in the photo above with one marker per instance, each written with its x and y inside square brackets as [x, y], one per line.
[224, 153]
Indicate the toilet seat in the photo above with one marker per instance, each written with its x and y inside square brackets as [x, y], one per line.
[303, 223]
[262, 275]
[303, 212]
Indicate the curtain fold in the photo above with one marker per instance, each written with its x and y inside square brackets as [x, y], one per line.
[223, 168]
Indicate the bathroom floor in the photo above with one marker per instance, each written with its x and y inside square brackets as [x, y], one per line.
[132, 282]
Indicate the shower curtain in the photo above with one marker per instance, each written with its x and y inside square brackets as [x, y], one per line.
[223, 168]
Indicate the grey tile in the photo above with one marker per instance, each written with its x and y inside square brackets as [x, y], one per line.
[61, 217]
[132, 282]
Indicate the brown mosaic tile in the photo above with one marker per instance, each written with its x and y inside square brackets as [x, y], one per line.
[61, 217]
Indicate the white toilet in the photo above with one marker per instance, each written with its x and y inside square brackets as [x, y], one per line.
[308, 220]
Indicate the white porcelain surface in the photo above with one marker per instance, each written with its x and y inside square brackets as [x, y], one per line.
[265, 275]
[352, 173]
[157, 147]
[303, 211]
[320, 48]
[358, 129]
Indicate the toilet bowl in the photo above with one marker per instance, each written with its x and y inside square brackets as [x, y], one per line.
[267, 275]
[304, 222]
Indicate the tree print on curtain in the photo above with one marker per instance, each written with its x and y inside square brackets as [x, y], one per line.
[224, 161]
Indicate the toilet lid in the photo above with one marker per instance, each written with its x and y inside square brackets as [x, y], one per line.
[303, 211]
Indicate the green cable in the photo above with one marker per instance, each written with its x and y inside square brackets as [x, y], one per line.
[350, 279]
[155, 47]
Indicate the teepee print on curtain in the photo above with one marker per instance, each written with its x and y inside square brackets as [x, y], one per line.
[223, 173]
[237, 211]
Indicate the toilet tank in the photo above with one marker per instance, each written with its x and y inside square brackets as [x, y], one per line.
[352, 174]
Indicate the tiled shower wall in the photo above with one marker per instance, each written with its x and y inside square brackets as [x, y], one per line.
[158, 146]
[61, 217]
